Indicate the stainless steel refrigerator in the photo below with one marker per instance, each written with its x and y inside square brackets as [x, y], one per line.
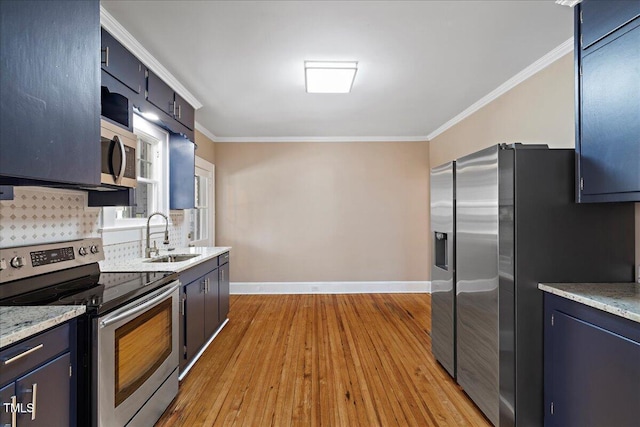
[516, 224]
[443, 279]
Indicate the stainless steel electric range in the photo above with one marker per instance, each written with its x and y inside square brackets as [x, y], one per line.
[128, 338]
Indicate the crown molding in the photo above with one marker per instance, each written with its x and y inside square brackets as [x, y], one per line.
[206, 132]
[123, 36]
[523, 75]
[323, 139]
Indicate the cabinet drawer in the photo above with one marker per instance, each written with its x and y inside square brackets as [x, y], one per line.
[34, 352]
[224, 258]
[197, 271]
[600, 18]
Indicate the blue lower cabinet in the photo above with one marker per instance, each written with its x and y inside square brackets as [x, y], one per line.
[37, 386]
[47, 389]
[591, 366]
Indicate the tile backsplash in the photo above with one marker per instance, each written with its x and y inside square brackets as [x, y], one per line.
[44, 215]
[40, 215]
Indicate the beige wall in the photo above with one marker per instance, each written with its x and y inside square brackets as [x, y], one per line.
[306, 212]
[539, 110]
[206, 147]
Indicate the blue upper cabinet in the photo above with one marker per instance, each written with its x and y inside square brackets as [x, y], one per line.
[122, 64]
[175, 112]
[607, 53]
[182, 170]
[50, 86]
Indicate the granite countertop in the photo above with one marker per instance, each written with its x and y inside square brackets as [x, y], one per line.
[621, 299]
[142, 264]
[17, 323]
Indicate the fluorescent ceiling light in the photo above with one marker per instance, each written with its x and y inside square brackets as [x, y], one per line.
[329, 77]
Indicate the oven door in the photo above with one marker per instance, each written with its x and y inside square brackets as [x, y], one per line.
[137, 352]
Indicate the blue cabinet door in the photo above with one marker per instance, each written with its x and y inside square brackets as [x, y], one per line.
[48, 389]
[122, 64]
[160, 94]
[211, 318]
[194, 317]
[50, 86]
[610, 117]
[592, 367]
[182, 171]
[608, 100]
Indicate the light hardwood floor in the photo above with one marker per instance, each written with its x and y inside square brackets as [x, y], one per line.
[322, 360]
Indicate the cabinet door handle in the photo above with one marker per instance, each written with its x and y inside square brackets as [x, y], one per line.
[14, 410]
[23, 354]
[106, 56]
[172, 107]
[34, 400]
[179, 111]
[182, 300]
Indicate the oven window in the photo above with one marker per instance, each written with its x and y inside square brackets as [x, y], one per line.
[141, 345]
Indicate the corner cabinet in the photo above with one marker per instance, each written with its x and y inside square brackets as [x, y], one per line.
[591, 366]
[38, 380]
[204, 305]
[50, 86]
[607, 53]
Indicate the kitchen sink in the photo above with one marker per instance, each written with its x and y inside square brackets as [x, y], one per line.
[173, 258]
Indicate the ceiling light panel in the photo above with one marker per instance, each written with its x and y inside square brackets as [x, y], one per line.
[329, 77]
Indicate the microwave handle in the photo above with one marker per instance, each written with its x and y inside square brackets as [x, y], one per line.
[123, 164]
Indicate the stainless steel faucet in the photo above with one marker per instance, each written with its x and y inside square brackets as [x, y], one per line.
[148, 250]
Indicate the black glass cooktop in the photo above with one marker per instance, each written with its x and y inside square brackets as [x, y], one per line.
[99, 292]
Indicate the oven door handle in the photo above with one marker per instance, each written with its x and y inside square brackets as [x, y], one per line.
[153, 300]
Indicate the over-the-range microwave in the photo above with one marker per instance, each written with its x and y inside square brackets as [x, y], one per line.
[118, 165]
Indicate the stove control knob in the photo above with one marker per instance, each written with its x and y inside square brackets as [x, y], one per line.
[3, 264]
[94, 249]
[17, 262]
[82, 251]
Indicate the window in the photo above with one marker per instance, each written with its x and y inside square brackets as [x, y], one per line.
[202, 217]
[151, 192]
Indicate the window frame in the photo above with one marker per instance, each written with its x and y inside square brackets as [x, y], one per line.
[209, 169]
[110, 222]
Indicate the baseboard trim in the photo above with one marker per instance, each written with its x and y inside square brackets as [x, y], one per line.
[251, 288]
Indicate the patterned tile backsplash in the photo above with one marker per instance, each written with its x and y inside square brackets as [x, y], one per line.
[44, 215]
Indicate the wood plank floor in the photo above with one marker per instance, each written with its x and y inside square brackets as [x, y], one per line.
[322, 360]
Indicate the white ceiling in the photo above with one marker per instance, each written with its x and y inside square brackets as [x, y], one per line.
[420, 62]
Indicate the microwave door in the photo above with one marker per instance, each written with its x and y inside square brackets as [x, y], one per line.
[116, 158]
